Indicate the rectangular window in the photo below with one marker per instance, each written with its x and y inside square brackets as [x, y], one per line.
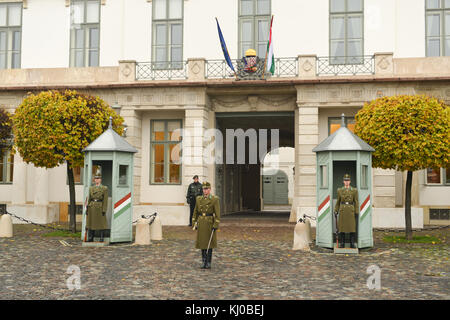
[10, 35]
[323, 177]
[334, 123]
[440, 176]
[123, 175]
[440, 214]
[84, 33]
[437, 26]
[77, 175]
[346, 31]
[6, 166]
[433, 176]
[165, 152]
[254, 24]
[167, 46]
[364, 176]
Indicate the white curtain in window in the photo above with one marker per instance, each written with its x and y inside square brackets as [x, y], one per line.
[14, 15]
[159, 9]
[175, 9]
[2, 15]
[92, 13]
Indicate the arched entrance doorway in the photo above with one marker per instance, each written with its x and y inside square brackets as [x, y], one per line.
[278, 179]
[240, 184]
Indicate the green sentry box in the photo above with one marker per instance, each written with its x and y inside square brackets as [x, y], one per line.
[343, 152]
[115, 156]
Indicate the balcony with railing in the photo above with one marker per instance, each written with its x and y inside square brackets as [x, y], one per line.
[308, 68]
[285, 68]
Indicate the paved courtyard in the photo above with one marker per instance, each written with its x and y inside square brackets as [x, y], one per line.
[254, 261]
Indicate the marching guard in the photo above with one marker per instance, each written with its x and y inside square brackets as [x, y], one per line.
[206, 219]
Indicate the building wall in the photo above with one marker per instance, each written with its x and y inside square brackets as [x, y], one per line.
[299, 27]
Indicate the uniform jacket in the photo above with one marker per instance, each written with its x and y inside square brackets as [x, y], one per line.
[347, 212]
[207, 216]
[194, 190]
[97, 206]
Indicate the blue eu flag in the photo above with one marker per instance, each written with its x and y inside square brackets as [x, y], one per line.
[224, 47]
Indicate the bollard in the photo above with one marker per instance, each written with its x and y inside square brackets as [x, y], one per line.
[156, 229]
[6, 226]
[142, 232]
[308, 230]
[302, 236]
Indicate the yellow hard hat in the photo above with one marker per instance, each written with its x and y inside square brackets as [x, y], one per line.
[250, 52]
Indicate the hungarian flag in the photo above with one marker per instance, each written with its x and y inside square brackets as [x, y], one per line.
[270, 57]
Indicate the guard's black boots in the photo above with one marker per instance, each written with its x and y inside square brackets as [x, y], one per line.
[352, 240]
[101, 235]
[204, 259]
[90, 236]
[208, 260]
[341, 236]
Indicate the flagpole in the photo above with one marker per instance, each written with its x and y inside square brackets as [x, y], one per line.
[267, 49]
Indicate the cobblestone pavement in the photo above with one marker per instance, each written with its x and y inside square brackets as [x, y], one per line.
[260, 265]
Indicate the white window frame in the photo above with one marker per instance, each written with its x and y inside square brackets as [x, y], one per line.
[346, 14]
[441, 12]
[442, 174]
[9, 37]
[86, 27]
[254, 18]
[168, 23]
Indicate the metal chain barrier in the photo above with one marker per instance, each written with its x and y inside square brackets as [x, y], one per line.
[403, 230]
[150, 216]
[33, 223]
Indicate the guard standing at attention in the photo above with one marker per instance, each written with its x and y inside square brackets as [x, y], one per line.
[194, 190]
[347, 206]
[97, 206]
[206, 219]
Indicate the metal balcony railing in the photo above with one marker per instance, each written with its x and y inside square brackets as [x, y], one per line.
[167, 70]
[219, 69]
[340, 65]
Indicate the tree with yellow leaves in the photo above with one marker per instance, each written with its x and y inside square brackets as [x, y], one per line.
[5, 130]
[409, 133]
[53, 127]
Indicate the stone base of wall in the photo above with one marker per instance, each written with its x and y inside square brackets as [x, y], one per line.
[42, 214]
[395, 218]
[169, 215]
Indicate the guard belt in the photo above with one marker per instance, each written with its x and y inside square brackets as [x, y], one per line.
[97, 200]
[208, 215]
[347, 202]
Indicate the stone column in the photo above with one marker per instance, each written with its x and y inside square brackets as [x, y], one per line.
[305, 182]
[196, 123]
[40, 187]
[19, 186]
[133, 121]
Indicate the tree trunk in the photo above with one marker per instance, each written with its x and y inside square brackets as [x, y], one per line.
[72, 215]
[408, 224]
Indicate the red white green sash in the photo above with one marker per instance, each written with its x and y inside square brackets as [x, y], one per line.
[122, 205]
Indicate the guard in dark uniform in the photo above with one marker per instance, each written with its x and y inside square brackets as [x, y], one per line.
[96, 208]
[206, 219]
[348, 208]
[194, 190]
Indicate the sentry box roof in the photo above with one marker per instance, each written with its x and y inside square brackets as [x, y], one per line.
[343, 140]
[110, 141]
